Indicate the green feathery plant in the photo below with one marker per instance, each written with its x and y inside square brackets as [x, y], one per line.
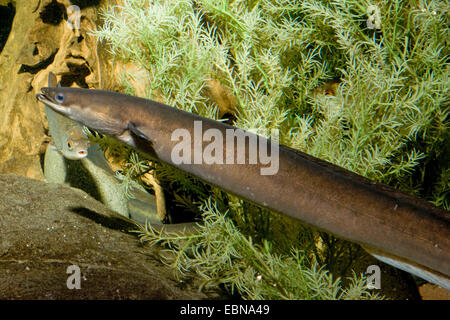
[386, 120]
[221, 254]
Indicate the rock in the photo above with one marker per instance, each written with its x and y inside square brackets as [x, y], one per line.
[430, 291]
[48, 227]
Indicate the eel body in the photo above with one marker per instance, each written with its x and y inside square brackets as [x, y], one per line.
[381, 219]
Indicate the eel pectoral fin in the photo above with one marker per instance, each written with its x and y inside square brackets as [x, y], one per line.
[141, 140]
[132, 127]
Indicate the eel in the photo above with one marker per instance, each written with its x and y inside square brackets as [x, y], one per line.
[402, 230]
[70, 142]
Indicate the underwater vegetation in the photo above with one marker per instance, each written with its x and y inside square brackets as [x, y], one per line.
[361, 84]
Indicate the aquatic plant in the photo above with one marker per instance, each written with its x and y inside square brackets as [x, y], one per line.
[221, 255]
[360, 84]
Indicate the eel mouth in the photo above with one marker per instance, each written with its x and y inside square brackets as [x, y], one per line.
[42, 98]
[45, 96]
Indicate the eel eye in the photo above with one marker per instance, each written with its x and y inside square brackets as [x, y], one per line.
[70, 144]
[59, 97]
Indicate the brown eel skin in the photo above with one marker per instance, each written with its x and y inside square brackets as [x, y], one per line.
[381, 219]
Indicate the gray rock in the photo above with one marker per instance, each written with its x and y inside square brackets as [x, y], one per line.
[47, 227]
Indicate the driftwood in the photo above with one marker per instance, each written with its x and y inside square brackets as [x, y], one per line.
[40, 41]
